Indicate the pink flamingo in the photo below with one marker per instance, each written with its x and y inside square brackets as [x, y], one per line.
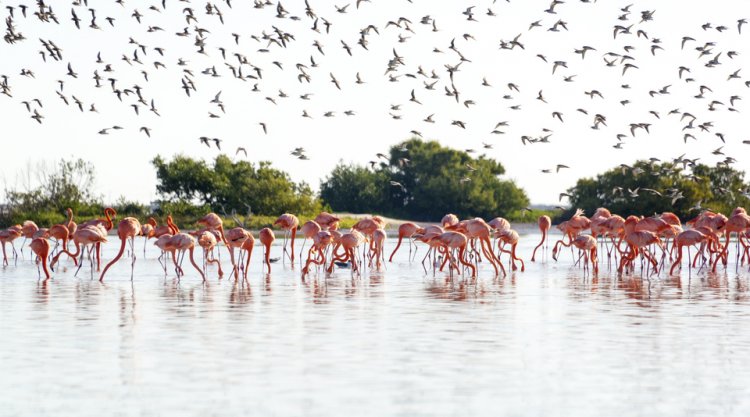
[266, 239]
[288, 223]
[179, 244]
[326, 221]
[40, 247]
[28, 228]
[544, 225]
[128, 228]
[8, 236]
[406, 230]
[320, 241]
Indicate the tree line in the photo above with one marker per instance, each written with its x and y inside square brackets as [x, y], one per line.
[418, 180]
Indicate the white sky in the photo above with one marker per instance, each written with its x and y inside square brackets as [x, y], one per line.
[122, 157]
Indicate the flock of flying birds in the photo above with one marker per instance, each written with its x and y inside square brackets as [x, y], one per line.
[297, 39]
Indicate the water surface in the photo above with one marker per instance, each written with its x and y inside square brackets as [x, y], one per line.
[546, 342]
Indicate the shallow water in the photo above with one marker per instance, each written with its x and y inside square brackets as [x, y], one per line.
[546, 342]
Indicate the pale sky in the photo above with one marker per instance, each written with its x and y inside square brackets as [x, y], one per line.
[122, 158]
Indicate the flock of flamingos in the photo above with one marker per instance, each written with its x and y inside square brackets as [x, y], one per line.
[458, 244]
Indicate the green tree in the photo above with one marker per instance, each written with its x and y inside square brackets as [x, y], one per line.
[353, 188]
[233, 185]
[424, 180]
[647, 188]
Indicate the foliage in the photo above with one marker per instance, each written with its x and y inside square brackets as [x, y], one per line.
[233, 185]
[54, 188]
[647, 188]
[356, 189]
[424, 180]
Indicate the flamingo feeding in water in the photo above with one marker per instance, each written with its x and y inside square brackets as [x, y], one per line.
[40, 247]
[128, 228]
[266, 239]
[544, 225]
[288, 223]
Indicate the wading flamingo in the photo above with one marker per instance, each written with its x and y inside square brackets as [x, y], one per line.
[147, 231]
[109, 215]
[207, 241]
[212, 221]
[309, 230]
[511, 238]
[40, 247]
[235, 239]
[738, 223]
[28, 228]
[327, 221]
[406, 230]
[544, 225]
[320, 242]
[452, 241]
[378, 240]
[179, 244]
[8, 236]
[60, 233]
[638, 241]
[128, 228]
[288, 223]
[687, 238]
[348, 242]
[266, 239]
[70, 224]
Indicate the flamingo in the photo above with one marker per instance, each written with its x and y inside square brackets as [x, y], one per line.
[163, 243]
[8, 236]
[207, 241]
[687, 238]
[587, 245]
[451, 241]
[61, 234]
[327, 221]
[407, 230]
[544, 226]
[83, 237]
[449, 220]
[434, 245]
[147, 231]
[637, 241]
[349, 242]
[128, 228]
[266, 239]
[320, 241]
[248, 245]
[40, 247]
[378, 239]
[70, 224]
[510, 237]
[28, 228]
[477, 229]
[179, 244]
[309, 230]
[109, 214]
[288, 222]
[737, 223]
[235, 239]
[211, 221]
